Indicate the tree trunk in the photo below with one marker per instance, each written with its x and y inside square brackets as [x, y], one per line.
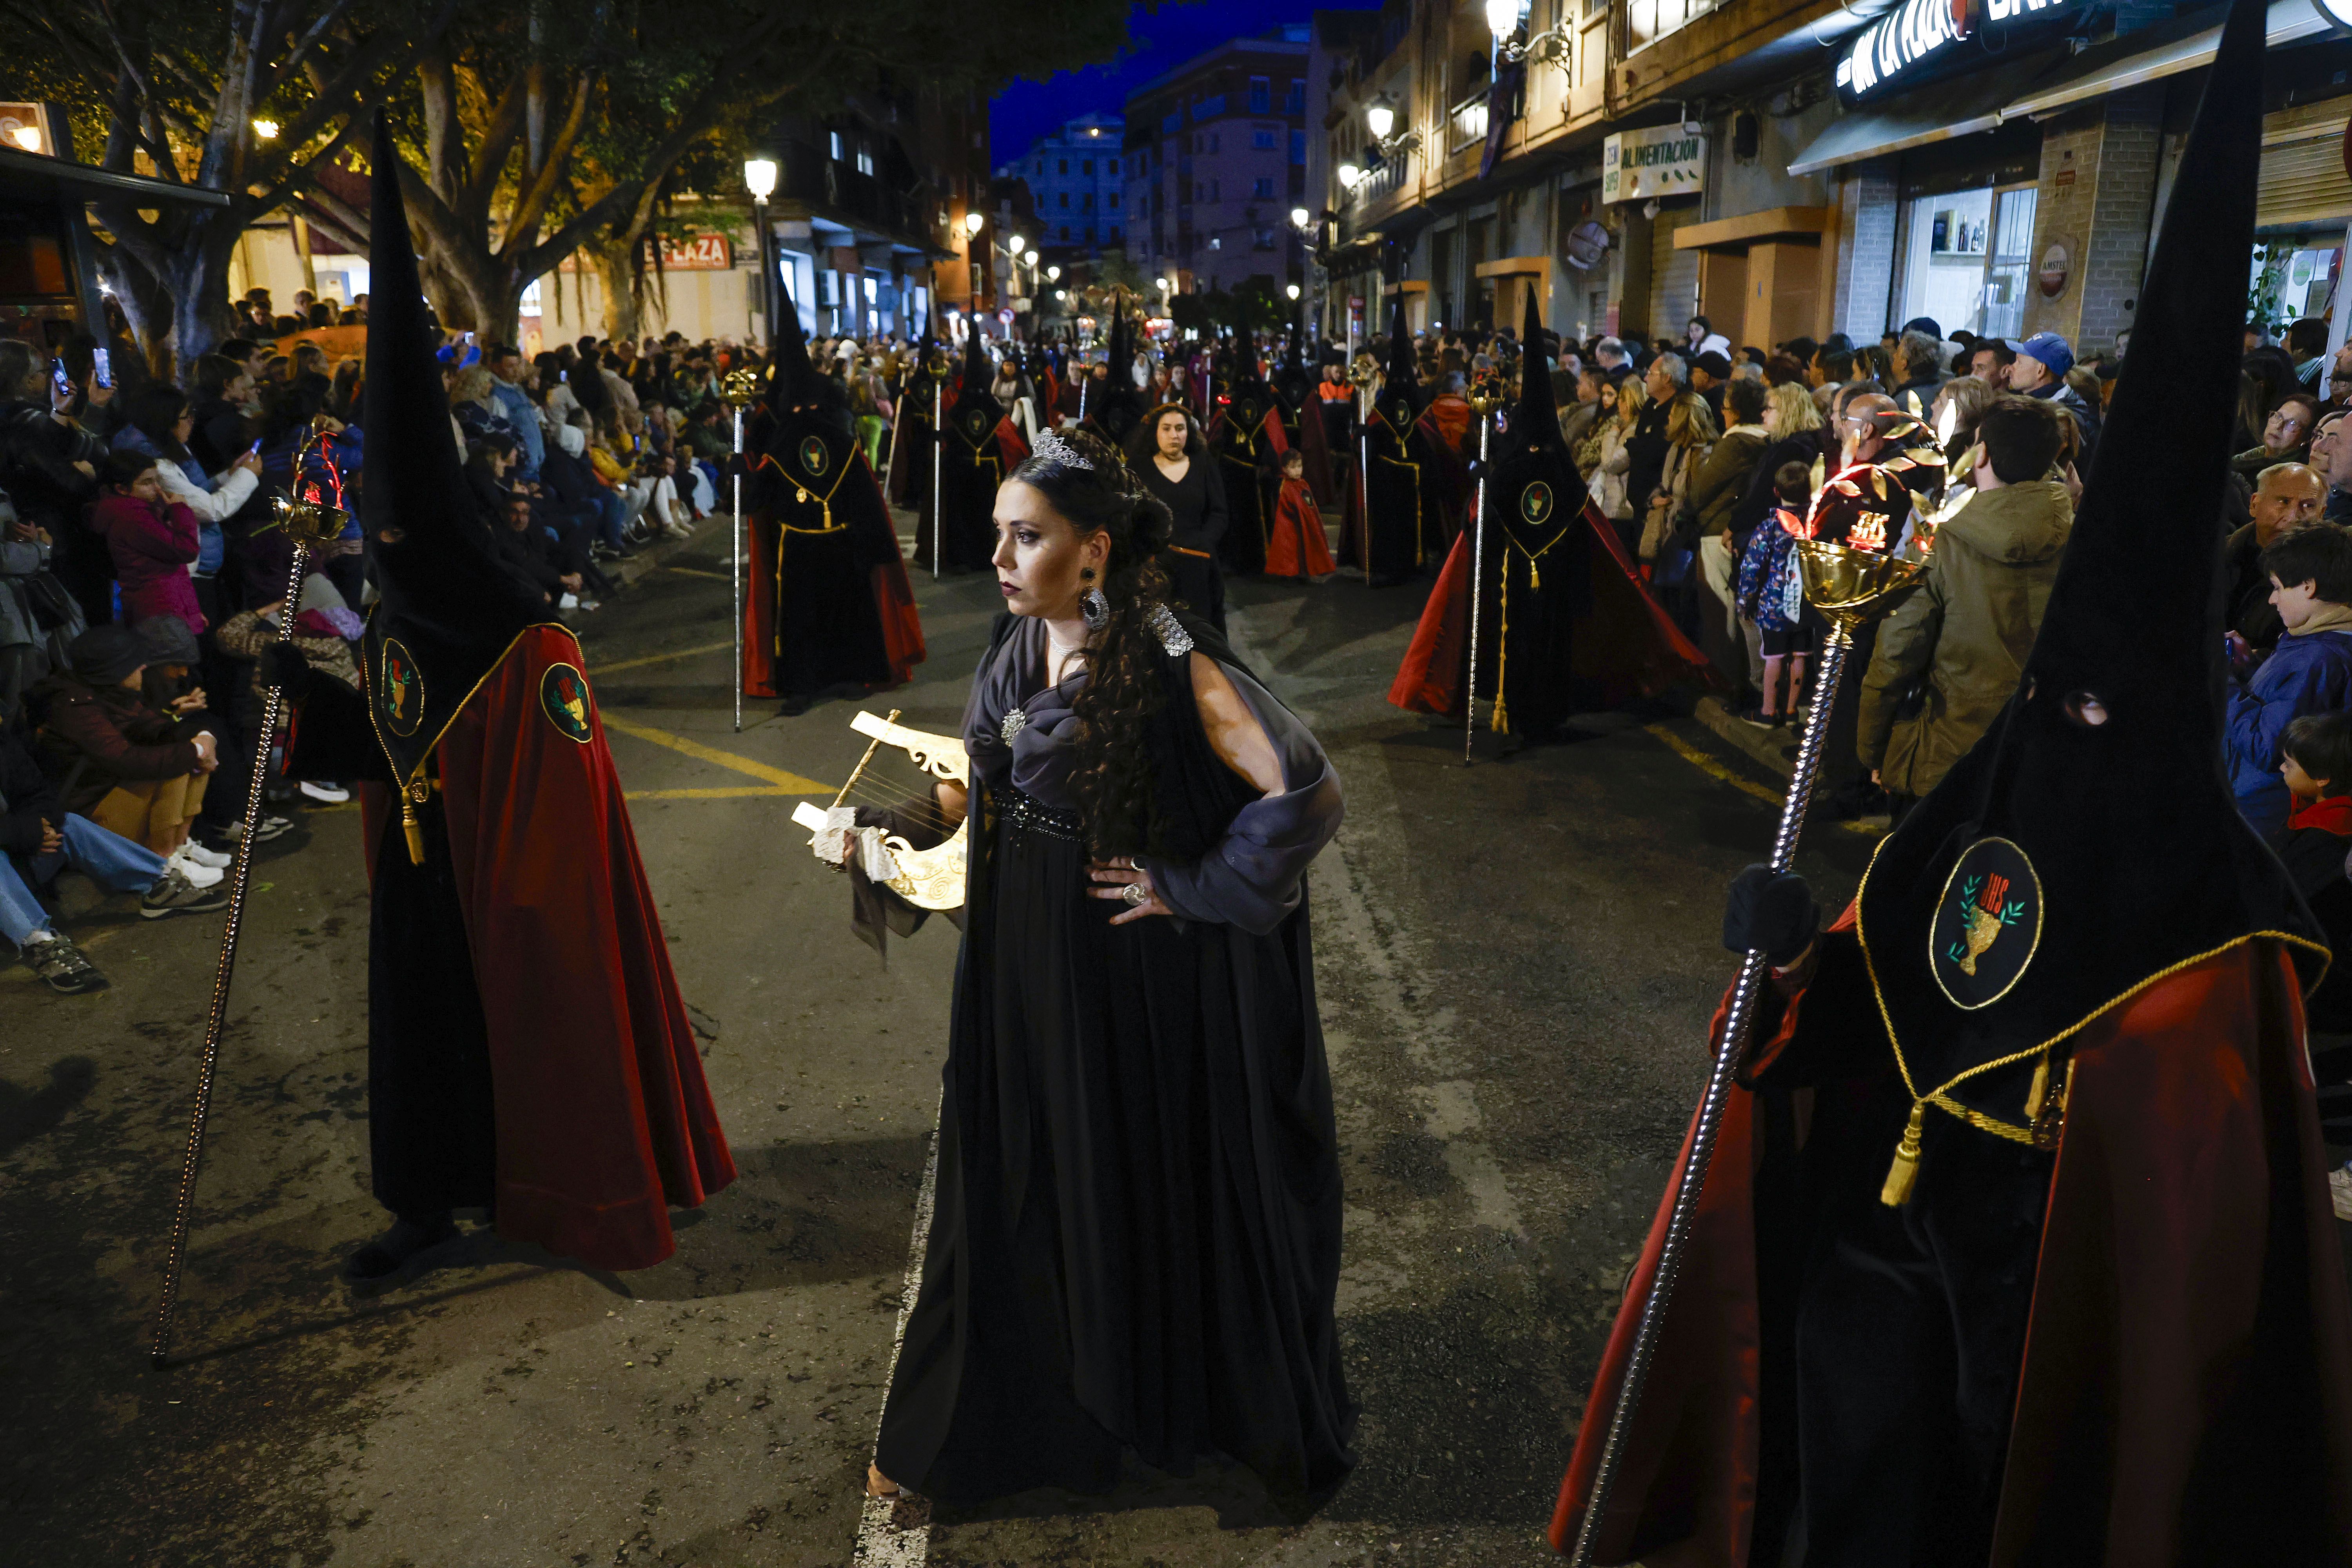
[616, 276]
[478, 292]
[196, 274]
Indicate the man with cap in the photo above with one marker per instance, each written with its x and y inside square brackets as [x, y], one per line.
[978, 446]
[529, 1053]
[2040, 371]
[829, 606]
[2015, 1247]
[1407, 487]
[1566, 623]
[1710, 372]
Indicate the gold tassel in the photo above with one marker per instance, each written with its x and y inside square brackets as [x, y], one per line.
[2040, 1093]
[1904, 1173]
[1535, 578]
[411, 827]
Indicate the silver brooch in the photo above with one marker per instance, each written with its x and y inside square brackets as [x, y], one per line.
[1015, 722]
[1173, 638]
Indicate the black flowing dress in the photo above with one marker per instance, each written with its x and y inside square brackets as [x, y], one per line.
[1197, 502]
[1136, 1241]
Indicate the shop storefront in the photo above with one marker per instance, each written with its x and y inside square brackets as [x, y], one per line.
[2303, 208]
[1964, 233]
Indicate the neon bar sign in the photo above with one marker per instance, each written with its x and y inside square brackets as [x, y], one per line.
[1921, 35]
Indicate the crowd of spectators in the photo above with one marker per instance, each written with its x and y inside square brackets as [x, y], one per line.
[143, 569]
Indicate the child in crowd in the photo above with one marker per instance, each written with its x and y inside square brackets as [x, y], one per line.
[2310, 573]
[153, 540]
[1296, 547]
[2316, 767]
[1772, 595]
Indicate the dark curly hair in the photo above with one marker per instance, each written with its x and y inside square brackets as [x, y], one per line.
[1112, 778]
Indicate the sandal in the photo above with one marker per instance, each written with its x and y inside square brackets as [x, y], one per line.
[878, 1485]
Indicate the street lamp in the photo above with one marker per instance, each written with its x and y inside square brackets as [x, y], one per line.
[973, 222]
[265, 128]
[1299, 217]
[1014, 245]
[1291, 289]
[1054, 275]
[1031, 258]
[1351, 176]
[1382, 117]
[1551, 44]
[760, 179]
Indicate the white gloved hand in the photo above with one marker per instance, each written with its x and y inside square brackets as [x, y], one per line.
[827, 845]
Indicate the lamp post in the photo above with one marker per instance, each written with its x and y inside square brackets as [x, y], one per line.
[760, 179]
[1552, 44]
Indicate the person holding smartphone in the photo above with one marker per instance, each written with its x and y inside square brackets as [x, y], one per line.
[49, 466]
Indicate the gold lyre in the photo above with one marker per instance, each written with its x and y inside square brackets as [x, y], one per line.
[928, 879]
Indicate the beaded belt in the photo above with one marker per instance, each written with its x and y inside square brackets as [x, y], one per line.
[1030, 814]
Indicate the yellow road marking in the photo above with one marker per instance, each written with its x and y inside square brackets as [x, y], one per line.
[1703, 763]
[730, 794]
[662, 658]
[696, 571]
[792, 783]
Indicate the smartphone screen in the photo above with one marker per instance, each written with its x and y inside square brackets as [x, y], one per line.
[59, 378]
[105, 368]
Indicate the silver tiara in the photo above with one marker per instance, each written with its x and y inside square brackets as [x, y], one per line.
[1055, 453]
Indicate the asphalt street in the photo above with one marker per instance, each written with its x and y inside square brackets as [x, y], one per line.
[1516, 962]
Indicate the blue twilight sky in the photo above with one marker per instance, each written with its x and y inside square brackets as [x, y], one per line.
[1158, 42]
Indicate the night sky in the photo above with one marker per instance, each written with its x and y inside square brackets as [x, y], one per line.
[1161, 42]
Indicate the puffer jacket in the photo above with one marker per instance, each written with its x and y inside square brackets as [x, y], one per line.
[1716, 490]
[1967, 631]
[95, 737]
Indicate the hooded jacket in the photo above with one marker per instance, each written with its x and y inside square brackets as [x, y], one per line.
[1968, 631]
[153, 545]
[2310, 672]
[112, 729]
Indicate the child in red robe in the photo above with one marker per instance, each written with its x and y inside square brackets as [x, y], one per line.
[1296, 546]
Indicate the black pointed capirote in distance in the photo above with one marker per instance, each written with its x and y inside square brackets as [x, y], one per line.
[1402, 379]
[978, 371]
[1536, 422]
[2105, 771]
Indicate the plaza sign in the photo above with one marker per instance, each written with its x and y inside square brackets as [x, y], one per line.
[1921, 39]
[1663, 160]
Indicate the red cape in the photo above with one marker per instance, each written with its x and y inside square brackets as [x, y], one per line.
[1297, 546]
[604, 1122]
[1629, 643]
[2189, 1315]
[902, 625]
[1315, 449]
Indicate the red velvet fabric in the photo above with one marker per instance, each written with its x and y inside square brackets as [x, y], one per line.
[1629, 643]
[604, 1121]
[1296, 547]
[2191, 1337]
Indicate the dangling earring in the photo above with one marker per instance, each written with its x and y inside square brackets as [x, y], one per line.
[1091, 604]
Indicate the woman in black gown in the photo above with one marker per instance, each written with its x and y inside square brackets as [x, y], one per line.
[1135, 1242]
[1167, 451]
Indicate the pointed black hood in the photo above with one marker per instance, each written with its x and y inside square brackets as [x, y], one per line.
[1399, 402]
[794, 382]
[976, 412]
[808, 442]
[1536, 421]
[2090, 843]
[448, 606]
[978, 370]
[1114, 412]
[1293, 382]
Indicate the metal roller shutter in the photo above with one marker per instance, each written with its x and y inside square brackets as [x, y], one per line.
[2303, 178]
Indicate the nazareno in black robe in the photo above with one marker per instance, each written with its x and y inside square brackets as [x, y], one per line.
[1135, 1242]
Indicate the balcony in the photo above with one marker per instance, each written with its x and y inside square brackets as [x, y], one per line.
[1466, 122]
[1384, 181]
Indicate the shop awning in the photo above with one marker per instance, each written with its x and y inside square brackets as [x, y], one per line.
[1937, 112]
[2154, 53]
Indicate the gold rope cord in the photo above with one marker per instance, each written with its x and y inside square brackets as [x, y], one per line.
[1906, 1154]
[803, 495]
[1420, 552]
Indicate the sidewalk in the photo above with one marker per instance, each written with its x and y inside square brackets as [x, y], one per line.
[1775, 750]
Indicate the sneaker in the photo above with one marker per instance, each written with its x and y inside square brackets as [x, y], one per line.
[324, 793]
[271, 827]
[2339, 1191]
[197, 873]
[203, 856]
[569, 602]
[173, 894]
[1759, 718]
[61, 962]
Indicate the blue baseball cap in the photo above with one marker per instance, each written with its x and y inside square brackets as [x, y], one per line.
[2051, 350]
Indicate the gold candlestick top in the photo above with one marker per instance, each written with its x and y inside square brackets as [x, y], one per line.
[741, 388]
[1854, 587]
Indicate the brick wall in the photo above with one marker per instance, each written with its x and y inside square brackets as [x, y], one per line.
[1866, 269]
[2096, 197]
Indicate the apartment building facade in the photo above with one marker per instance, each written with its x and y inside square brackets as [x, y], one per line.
[1076, 183]
[1215, 164]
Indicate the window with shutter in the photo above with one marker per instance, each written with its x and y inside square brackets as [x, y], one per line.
[2303, 178]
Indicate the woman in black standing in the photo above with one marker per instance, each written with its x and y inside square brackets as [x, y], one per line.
[1135, 1242]
[1167, 451]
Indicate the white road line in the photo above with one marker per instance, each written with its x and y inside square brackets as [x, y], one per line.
[896, 1532]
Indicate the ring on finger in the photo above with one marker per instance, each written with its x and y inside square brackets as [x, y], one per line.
[1136, 894]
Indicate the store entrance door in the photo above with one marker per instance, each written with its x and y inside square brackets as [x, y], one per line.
[1966, 259]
